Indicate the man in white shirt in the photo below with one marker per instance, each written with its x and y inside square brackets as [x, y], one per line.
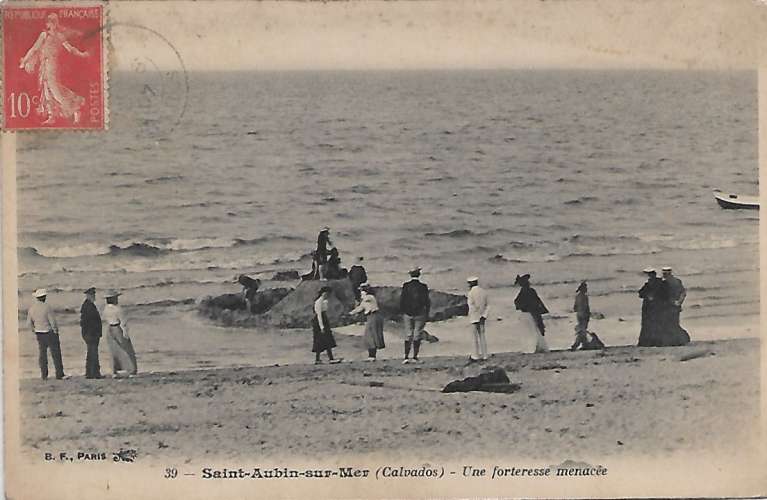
[43, 324]
[478, 308]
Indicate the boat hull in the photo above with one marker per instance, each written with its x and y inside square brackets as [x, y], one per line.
[734, 202]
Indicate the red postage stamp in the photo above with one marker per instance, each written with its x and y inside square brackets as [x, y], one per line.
[54, 69]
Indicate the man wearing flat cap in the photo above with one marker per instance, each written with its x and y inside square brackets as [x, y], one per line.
[414, 304]
[90, 326]
[43, 324]
[478, 310]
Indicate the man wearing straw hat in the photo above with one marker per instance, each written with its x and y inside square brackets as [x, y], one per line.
[42, 322]
[478, 309]
[90, 327]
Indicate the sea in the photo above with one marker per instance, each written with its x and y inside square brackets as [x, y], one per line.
[566, 175]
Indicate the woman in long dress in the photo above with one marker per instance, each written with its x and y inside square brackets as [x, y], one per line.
[533, 310]
[374, 338]
[45, 55]
[322, 338]
[120, 345]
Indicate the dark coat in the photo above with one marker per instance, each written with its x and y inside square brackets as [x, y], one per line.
[90, 321]
[414, 299]
[357, 275]
[323, 242]
[528, 301]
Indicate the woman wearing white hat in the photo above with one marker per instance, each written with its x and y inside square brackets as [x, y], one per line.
[374, 338]
[120, 345]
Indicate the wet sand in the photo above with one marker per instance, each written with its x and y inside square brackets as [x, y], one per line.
[624, 401]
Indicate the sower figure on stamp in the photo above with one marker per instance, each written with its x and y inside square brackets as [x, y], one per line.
[582, 315]
[43, 324]
[414, 304]
[55, 99]
[478, 310]
[90, 326]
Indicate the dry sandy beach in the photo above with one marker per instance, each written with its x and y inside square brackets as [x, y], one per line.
[595, 405]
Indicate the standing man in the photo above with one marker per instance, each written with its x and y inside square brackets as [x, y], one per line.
[676, 294]
[90, 326]
[582, 314]
[41, 321]
[674, 334]
[478, 308]
[323, 249]
[357, 276]
[414, 304]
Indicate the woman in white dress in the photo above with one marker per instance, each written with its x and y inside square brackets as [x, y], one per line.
[532, 309]
[374, 338]
[120, 345]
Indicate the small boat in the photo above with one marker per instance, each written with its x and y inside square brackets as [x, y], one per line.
[735, 201]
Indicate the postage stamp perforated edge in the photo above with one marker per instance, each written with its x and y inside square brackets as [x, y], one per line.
[106, 49]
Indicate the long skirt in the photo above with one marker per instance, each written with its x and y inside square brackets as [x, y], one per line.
[528, 322]
[121, 347]
[322, 340]
[374, 338]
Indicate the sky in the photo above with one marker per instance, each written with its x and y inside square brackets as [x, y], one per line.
[412, 34]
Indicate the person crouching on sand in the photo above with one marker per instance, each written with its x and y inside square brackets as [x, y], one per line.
[478, 309]
[374, 338]
[533, 308]
[582, 314]
[120, 344]
[322, 339]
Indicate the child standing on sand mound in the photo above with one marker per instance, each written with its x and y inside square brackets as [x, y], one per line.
[323, 337]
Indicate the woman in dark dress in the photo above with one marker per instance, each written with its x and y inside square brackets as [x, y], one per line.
[654, 294]
[528, 302]
[323, 337]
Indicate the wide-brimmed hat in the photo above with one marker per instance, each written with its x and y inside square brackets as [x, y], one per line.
[416, 271]
[325, 229]
[91, 290]
[649, 270]
[525, 278]
[40, 292]
[472, 279]
[666, 269]
[111, 293]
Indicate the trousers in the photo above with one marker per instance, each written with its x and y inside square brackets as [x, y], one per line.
[480, 343]
[45, 341]
[92, 366]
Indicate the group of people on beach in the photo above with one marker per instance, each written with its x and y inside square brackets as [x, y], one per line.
[662, 303]
[662, 300]
[42, 322]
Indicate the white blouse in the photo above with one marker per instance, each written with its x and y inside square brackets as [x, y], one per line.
[113, 314]
[320, 306]
[368, 304]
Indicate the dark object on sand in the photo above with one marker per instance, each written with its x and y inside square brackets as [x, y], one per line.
[735, 201]
[428, 337]
[491, 381]
[592, 343]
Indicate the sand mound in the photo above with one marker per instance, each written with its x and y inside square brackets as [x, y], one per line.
[286, 308]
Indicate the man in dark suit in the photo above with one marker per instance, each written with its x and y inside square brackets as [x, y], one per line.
[414, 304]
[357, 276]
[90, 325]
